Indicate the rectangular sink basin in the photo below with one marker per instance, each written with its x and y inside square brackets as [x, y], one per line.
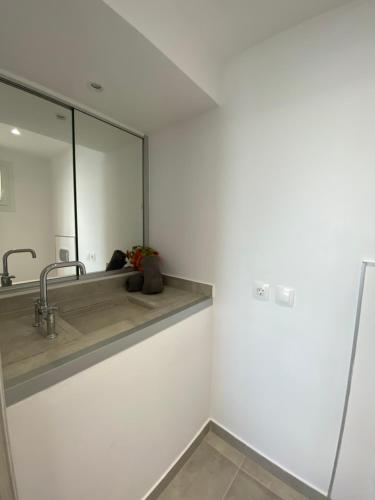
[119, 313]
[93, 319]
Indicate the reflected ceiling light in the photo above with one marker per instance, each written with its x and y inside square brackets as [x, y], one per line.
[96, 86]
[15, 131]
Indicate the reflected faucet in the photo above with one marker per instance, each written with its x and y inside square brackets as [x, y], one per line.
[6, 278]
[43, 311]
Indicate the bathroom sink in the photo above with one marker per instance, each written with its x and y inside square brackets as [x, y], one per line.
[116, 313]
[21, 341]
[89, 316]
[93, 318]
[81, 322]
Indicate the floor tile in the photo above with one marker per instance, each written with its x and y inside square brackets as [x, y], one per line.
[224, 448]
[205, 476]
[271, 482]
[246, 488]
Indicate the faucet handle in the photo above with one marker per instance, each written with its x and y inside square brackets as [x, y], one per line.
[6, 279]
[48, 308]
[37, 313]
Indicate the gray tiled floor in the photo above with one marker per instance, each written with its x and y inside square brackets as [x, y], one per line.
[217, 471]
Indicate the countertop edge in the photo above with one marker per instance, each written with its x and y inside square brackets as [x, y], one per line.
[53, 375]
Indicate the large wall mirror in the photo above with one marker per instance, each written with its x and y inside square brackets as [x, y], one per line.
[109, 190]
[71, 187]
[36, 205]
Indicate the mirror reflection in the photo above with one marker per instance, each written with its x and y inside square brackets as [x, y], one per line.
[109, 191]
[37, 223]
[47, 193]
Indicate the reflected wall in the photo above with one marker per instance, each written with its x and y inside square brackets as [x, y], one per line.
[109, 190]
[36, 209]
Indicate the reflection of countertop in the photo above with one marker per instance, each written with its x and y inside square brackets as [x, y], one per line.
[94, 321]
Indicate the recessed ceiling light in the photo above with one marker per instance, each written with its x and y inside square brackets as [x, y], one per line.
[15, 131]
[96, 86]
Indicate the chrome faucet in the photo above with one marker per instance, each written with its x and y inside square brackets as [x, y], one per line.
[44, 311]
[6, 278]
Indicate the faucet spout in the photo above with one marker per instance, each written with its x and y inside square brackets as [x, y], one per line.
[56, 265]
[6, 278]
[44, 311]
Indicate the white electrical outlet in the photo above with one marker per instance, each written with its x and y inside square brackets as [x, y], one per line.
[285, 296]
[261, 290]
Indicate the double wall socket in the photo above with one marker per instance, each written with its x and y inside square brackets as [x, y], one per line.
[284, 295]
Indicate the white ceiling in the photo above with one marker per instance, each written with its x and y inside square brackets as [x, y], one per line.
[92, 134]
[31, 143]
[24, 110]
[44, 134]
[201, 36]
[62, 45]
[158, 60]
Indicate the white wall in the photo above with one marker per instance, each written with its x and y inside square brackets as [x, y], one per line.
[63, 209]
[355, 477]
[279, 186]
[91, 209]
[63, 194]
[184, 180]
[109, 196]
[114, 429]
[30, 224]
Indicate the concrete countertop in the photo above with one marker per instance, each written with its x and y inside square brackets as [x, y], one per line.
[95, 320]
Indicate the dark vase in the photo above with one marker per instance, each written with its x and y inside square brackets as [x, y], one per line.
[118, 261]
[134, 283]
[153, 280]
